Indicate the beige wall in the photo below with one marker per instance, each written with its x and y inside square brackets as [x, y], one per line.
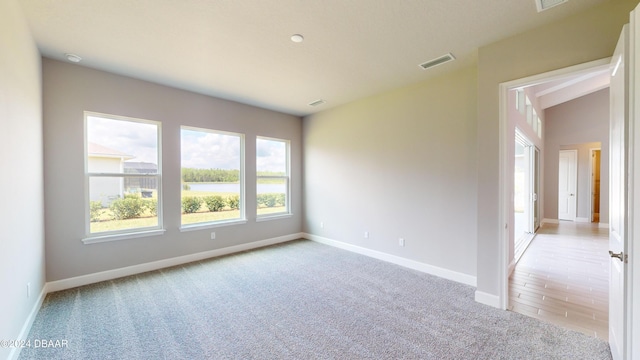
[581, 38]
[69, 90]
[398, 165]
[580, 124]
[21, 189]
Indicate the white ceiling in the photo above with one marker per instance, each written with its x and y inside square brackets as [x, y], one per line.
[241, 49]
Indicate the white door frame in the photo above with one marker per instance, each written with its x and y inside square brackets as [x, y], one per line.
[505, 179]
[633, 245]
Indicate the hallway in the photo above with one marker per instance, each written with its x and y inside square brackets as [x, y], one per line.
[563, 278]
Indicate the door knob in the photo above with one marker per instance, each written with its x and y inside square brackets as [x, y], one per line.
[619, 256]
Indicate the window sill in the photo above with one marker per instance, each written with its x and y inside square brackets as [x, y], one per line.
[117, 237]
[194, 227]
[273, 217]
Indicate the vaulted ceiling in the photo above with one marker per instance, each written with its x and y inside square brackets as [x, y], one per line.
[241, 49]
[556, 92]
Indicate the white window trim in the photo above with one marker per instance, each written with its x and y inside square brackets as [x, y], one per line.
[90, 237]
[274, 216]
[287, 177]
[211, 224]
[122, 236]
[226, 222]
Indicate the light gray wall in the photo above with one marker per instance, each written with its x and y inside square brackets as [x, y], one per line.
[398, 165]
[21, 188]
[584, 37]
[71, 89]
[578, 124]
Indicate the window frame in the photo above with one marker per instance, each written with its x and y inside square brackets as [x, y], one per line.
[242, 219]
[129, 233]
[287, 177]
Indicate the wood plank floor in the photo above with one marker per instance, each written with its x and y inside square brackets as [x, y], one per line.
[563, 278]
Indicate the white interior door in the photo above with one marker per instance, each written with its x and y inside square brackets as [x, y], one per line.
[618, 196]
[567, 184]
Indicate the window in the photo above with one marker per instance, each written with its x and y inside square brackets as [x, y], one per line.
[122, 174]
[539, 128]
[520, 101]
[272, 175]
[212, 177]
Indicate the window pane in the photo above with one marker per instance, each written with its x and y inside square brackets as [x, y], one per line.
[272, 176]
[116, 146]
[211, 176]
[120, 203]
[272, 195]
[271, 157]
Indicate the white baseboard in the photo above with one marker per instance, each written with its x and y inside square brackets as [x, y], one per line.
[411, 264]
[549, 221]
[488, 299]
[26, 328]
[161, 264]
[583, 220]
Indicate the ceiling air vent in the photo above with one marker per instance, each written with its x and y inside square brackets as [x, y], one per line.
[317, 102]
[548, 4]
[437, 61]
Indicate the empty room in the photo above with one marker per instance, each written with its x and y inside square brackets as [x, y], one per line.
[241, 179]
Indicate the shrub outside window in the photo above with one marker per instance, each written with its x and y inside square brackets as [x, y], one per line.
[212, 165]
[272, 177]
[123, 174]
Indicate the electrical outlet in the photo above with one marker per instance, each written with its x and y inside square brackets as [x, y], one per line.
[213, 235]
[401, 242]
[28, 290]
[366, 234]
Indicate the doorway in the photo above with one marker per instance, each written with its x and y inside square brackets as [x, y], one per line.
[539, 85]
[595, 156]
[567, 184]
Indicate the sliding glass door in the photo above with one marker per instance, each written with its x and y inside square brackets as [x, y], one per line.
[525, 193]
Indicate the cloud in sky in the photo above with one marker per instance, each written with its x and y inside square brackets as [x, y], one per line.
[209, 150]
[271, 155]
[199, 149]
[136, 139]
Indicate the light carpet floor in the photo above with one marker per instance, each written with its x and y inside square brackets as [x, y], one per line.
[298, 300]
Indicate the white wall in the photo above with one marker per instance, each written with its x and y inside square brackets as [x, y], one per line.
[584, 37]
[21, 188]
[578, 124]
[69, 90]
[398, 165]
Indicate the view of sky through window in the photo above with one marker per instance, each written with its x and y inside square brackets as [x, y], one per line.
[271, 156]
[137, 139]
[209, 150]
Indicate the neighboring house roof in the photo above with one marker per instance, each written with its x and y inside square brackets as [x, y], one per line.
[140, 167]
[98, 150]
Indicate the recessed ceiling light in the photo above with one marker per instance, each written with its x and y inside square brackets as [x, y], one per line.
[73, 58]
[297, 38]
